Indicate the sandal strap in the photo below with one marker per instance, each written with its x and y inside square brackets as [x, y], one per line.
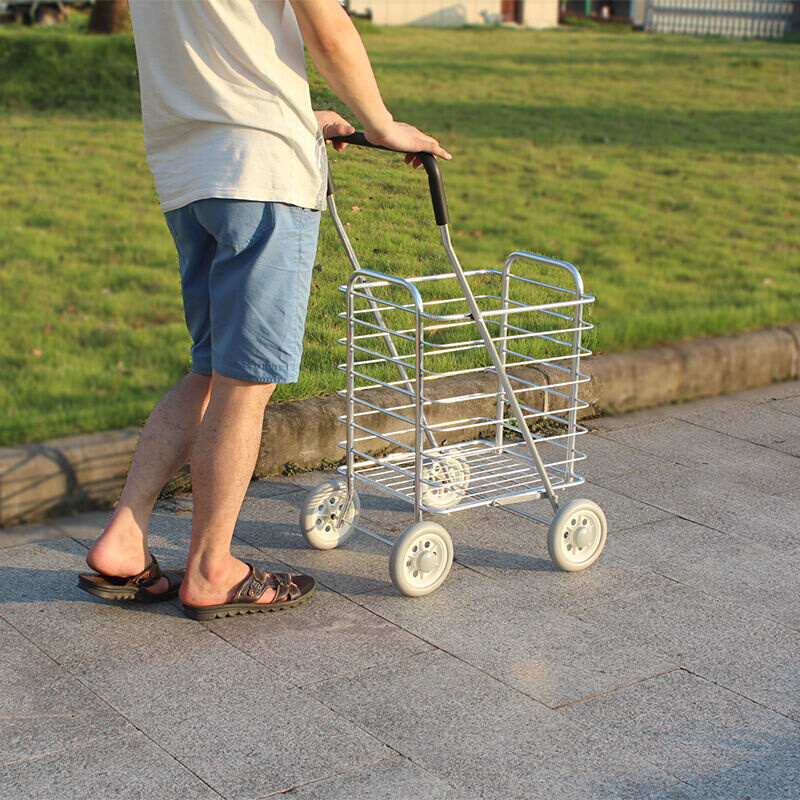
[286, 588]
[258, 581]
[149, 576]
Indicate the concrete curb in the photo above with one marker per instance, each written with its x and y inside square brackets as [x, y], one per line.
[79, 473]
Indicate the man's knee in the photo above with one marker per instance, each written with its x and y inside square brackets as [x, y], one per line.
[224, 383]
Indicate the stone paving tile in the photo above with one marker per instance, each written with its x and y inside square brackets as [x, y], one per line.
[741, 420]
[513, 551]
[622, 511]
[702, 733]
[274, 487]
[775, 391]
[632, 419]
[182, 504]
[726, 566]
[790, 446]
[605, 458]
[724, 457]
[726, 643]
[86, 526]
[548, 655]
[707, 499]
[42, 707]
[238, 726]
[769, 780]
[327, 636]
[122, 764]
[39, 595]
[789, 405]
[392, 779]
[308, 480]
[477, 733]
[28, 534]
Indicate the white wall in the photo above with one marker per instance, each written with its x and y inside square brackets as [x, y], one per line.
[540, 13]
[443, 13]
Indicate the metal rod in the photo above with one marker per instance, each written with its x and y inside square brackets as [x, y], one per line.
[374, 307]
[492, 351]
[501, 405]
[421, 422]
[350, 404]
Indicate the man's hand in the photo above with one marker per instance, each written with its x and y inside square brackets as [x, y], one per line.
[408, 139]
[338, 52]
[333, 124]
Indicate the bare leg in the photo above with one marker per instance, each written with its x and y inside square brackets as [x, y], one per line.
[163, 448]
[224, 455]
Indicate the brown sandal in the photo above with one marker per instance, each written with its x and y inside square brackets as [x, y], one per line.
[290, 591]
[136, 588]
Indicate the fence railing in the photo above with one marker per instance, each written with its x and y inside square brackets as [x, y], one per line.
[743, 19]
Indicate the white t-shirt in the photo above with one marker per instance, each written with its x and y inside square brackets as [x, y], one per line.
[225, 102]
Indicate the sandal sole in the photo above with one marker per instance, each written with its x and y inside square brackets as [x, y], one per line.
[110, 593]
[206, 613]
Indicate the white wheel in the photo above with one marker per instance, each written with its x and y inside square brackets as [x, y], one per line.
[577, 535]
[450, 474]
[421, 559]
[323, 521]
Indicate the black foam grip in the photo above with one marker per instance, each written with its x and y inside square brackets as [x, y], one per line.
[428, 160]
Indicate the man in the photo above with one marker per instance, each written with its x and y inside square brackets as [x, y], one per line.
[239, 162]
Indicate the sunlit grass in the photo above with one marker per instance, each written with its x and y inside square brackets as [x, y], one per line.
[666, 168]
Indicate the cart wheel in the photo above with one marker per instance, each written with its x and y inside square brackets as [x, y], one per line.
[577, 535]
[421, 559]
[321, 512]
[451, 473]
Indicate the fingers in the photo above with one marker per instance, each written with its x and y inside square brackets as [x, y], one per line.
[439, 151]
[426, 144]
[336, 128]
[411, 158]
[398, 136]
[333, 124]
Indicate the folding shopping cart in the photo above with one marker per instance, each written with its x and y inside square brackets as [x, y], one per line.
[462, 392]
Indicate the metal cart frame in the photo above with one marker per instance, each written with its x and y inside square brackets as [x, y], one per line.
[398, 449]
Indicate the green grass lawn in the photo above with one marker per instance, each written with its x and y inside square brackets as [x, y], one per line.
[666, 168]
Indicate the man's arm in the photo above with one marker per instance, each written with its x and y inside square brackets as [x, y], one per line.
[338, 53]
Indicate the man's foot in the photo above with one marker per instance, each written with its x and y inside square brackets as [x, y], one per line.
[260, 591]
[215, 584]
[120, 551]
[137, 588]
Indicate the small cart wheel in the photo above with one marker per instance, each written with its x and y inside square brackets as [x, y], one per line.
[323, 521]
[577, 535]
[421, 559]
[449, 480]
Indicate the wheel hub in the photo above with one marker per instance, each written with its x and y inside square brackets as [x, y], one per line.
[330, 514]
[427, 562]
[424, 559]
[583, 537]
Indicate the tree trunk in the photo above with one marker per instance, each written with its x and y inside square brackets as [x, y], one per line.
[109, 16]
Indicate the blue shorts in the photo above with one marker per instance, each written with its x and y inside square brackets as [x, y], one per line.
[246, 274]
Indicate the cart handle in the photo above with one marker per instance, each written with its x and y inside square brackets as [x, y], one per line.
[428, 160]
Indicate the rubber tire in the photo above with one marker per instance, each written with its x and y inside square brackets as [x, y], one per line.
[315, 533]
[555, 535]
[400, 554]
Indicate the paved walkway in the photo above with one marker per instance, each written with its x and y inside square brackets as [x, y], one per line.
[670, 669]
